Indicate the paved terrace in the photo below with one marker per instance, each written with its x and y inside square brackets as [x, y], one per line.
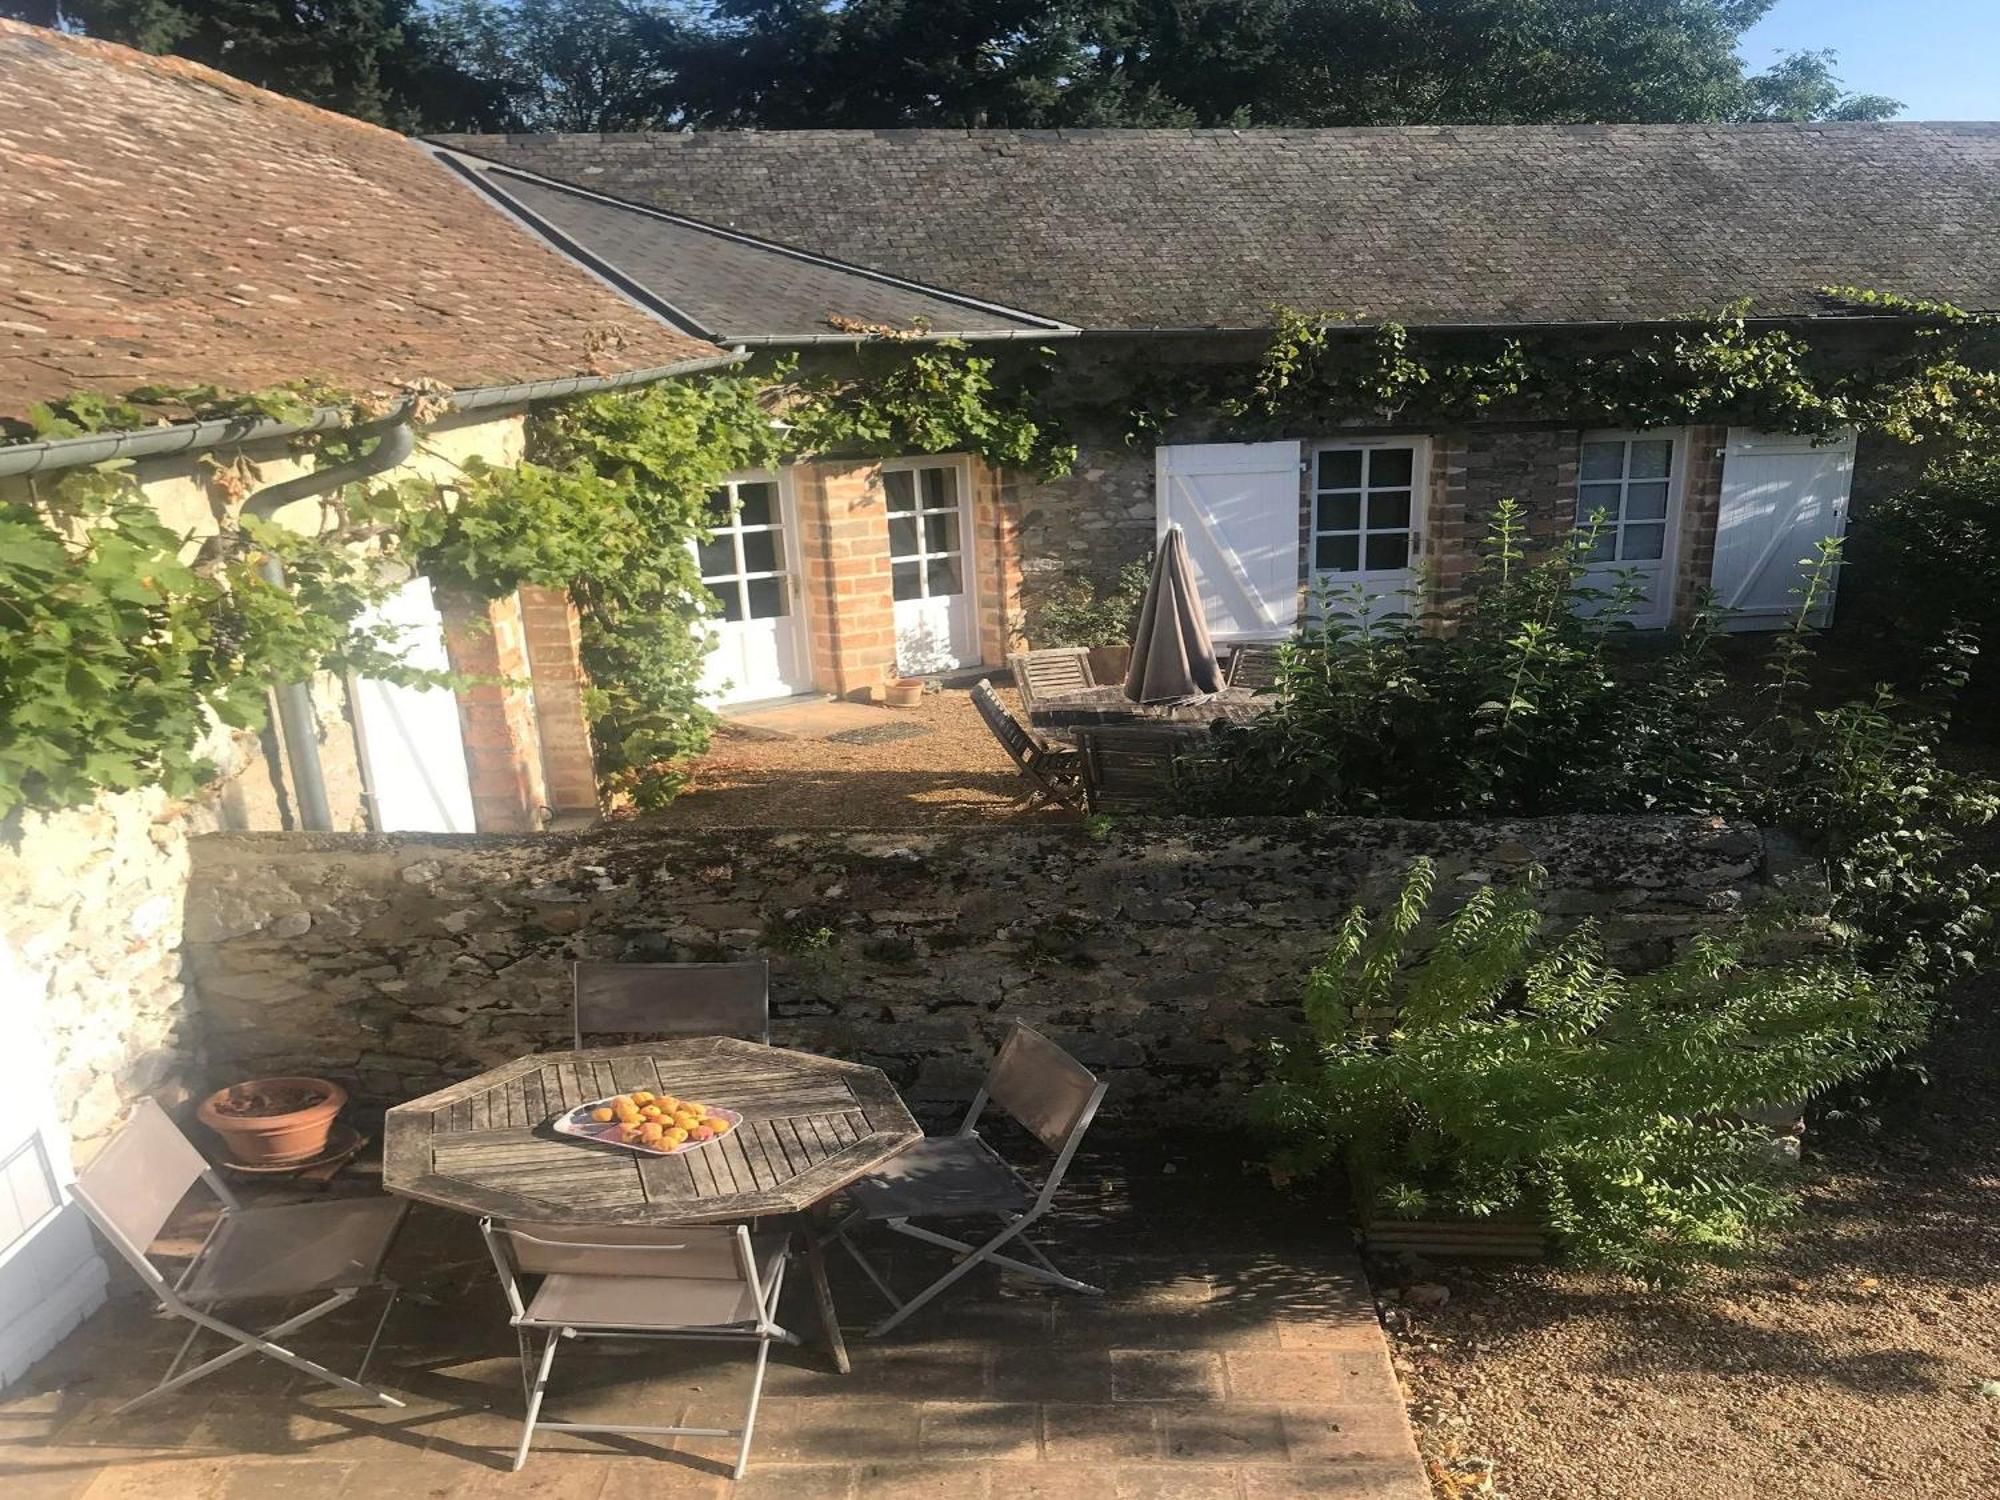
[1235, 1357]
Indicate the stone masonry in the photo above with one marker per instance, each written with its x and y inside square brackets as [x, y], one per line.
[1163, 952]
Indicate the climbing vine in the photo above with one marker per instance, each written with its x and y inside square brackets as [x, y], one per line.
[125, 641]
[1924, 374]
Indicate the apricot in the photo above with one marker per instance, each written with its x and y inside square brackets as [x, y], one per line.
[602, 1116]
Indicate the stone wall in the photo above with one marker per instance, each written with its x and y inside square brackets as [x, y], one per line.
[91, 903]
[1163, 953]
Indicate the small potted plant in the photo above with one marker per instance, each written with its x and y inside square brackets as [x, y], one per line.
[268, 1122]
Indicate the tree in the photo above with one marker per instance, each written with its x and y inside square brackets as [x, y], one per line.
[374, 59]
[570, 64]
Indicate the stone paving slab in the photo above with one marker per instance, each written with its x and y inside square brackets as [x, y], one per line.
[1208, 1371]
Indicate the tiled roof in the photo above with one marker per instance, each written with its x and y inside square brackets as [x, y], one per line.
[1430, 225]
[728, 287]
[161, 222]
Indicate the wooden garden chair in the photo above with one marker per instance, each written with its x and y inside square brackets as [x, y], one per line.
[1254, 668]
[1133, 768]
[1053, 673]
[1057, 775]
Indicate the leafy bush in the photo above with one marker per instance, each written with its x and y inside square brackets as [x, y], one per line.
[1528, 708]
[1524, 1074]
[1082, 612]
[1934, 551]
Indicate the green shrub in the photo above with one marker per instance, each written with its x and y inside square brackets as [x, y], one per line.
[1501, 1070]
[1083, 612]
[1934, 551]
[1529, 709]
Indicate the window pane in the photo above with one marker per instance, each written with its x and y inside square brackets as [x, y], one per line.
[901, 487]
[1606, 547]
[1388, 551]
[1389, 510]
[1389, 467]
[1339, 512]
[1602, 461]
[718, 558]
[944, 576]
[940, 488]
[907, 579]
[1646, 502]
[1337, 554]
[1650, 459]
[767, 598]
[718, 507]
[1643, 543]
[1592, 498]
[1340, 469]
[902, 536]
[757, 503]
[731, 595]
[941, 532]
[760, 551]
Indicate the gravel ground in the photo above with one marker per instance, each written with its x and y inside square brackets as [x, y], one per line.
[1849, 1362]
[955, 774]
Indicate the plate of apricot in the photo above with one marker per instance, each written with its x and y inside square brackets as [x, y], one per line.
[658, 1124]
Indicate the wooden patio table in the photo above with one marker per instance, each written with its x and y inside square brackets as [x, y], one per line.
[1086, 707]
[811, 1125]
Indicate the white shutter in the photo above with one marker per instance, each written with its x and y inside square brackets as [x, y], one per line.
[1239, 505]
[411, 740]
[1781, 496]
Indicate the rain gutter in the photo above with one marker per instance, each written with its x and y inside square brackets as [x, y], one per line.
[49, 454]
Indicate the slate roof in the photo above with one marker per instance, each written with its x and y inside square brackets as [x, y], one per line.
[162, 222]
[724, 286]
[1141, 229]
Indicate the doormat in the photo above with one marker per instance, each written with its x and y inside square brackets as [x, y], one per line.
[879, 734]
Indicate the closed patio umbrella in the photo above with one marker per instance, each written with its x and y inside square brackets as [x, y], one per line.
[1172, 659]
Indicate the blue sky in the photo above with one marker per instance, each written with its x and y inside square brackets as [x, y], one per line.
[1940, 57]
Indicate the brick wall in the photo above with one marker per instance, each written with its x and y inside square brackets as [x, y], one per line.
[569, 768]
[844, 555]
[486, 639]
[1701, 509]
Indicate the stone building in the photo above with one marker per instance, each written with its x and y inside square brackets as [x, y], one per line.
[1132, 255]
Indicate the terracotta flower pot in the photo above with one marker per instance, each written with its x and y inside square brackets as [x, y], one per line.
[907, 692]
[266, 1122]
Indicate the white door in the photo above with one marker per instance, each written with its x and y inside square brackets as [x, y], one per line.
[1629, 484]
[1367, 525]
[758, 648]
[1239, 505]
[411, 739]
[930, 565]
[1782, 495]
[50, 1274]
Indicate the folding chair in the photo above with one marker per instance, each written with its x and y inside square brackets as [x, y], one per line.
[1047, 1092]
[335, 1246]
[709, 1281]
[725, 999]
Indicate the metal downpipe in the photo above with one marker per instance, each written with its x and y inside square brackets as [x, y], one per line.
[296, 719]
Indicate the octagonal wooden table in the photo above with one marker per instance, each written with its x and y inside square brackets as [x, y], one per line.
[811, 1125]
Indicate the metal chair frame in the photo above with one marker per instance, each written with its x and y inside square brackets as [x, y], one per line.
[535, 1374]
[202, 1316]
[1013, 1227]
[675, 981]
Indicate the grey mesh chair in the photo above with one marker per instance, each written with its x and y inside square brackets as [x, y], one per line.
[709, 1281]
[332, 1248]
[725, 999]
[1048, 1093]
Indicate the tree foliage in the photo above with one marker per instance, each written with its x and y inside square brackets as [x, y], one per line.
[1492, 1068]
[781, 64]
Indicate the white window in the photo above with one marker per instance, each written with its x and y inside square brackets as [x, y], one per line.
[1625, 485]
[744, 565]
[926, 551]
[1367, 524]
